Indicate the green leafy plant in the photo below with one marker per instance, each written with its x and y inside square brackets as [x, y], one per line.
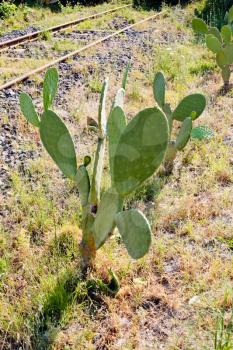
[223, 339]
[7, 9]
[220, 43]
[152, 4]
[188, 110]
[135, 150]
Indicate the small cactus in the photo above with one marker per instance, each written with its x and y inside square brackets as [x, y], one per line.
[136, 151]
[189, 109]
[220, 43]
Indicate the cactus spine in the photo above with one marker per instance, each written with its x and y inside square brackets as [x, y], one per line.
[220, 43]
[189, 109]
[136, 151]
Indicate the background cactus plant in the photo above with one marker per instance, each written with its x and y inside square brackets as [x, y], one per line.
[136, 151]
[220, 43]
[189, 109]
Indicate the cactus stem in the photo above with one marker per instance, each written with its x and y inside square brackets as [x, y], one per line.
[87, 245]
[226, 85]
[97, 173]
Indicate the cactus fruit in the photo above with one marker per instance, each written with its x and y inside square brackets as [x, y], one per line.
[220, 43]
[136, 150]
[189, 109]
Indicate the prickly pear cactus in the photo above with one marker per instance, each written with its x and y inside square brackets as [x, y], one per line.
[136, 150]
[190, 108]
[220, 43]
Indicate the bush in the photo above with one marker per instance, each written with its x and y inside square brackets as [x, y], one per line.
[7, 9]
[214, 12]
[155, 4]
[83, 2]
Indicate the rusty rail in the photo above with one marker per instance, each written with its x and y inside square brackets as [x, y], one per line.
[34, 35]
[64, 58]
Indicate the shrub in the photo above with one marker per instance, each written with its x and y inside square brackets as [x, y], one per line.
[155, 4]
[7, 9]
[83, 2]
[214, 12]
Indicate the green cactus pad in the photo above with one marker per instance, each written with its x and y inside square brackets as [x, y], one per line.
[116, 125]
[215, 32]
[28, 109]
[184, 134]
[125, 77]
[102, 119]
[220, 58]
[119, 98]
[50, 87]
[230, 15]
[83, 183]
[111, 203]
[228, 54]
[201, 132]
[199, 26]
[135, 232]
[57, 141]
[140, 150]
[226, 33]
[226, 73]
[192, 103]
[159, 89]
[213, 43]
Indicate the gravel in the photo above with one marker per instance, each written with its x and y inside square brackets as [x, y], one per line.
[18, 32]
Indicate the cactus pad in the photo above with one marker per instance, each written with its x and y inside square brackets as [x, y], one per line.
[83, 183]
[120, 98]
[226, 34]
[58, 143]
[50, 87]
[215, 32]
[140, 150]
[213, 43]
[111, 203]
[199, 26]
[135, 232]
[201, 132]
[184, 134]
[116, 125]
[192, 103]
[28, 109]
[159, 89]
[102, 119]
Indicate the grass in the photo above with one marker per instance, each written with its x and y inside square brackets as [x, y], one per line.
[180, 295]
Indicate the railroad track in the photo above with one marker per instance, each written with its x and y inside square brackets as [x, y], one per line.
[35, 35]
[75, 52]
